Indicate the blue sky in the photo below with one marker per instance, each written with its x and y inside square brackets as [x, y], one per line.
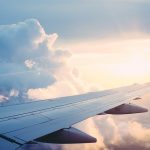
[72, 19]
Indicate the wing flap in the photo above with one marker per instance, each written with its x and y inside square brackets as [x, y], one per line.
[22, 122]
[6, 145]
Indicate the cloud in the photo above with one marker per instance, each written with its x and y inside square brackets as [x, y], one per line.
[17, 41]
[125, 131]
[139, 132]
[3, 98]
[30, 64]
[133, 135]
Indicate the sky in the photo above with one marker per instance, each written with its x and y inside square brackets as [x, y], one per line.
[72, 19]
[93, 28]
[58, 48]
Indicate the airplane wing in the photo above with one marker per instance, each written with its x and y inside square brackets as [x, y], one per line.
[50, 121]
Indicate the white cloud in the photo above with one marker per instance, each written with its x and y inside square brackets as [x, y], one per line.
[139, 132]
[30, 64]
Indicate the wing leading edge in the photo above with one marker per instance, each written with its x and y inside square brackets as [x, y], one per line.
[50, 120]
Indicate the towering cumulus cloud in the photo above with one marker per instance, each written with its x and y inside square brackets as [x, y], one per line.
[30, 66]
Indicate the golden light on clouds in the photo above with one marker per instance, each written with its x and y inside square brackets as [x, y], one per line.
[115, 62]
[137, 65]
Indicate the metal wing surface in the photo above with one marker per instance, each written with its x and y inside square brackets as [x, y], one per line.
[26, 122]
